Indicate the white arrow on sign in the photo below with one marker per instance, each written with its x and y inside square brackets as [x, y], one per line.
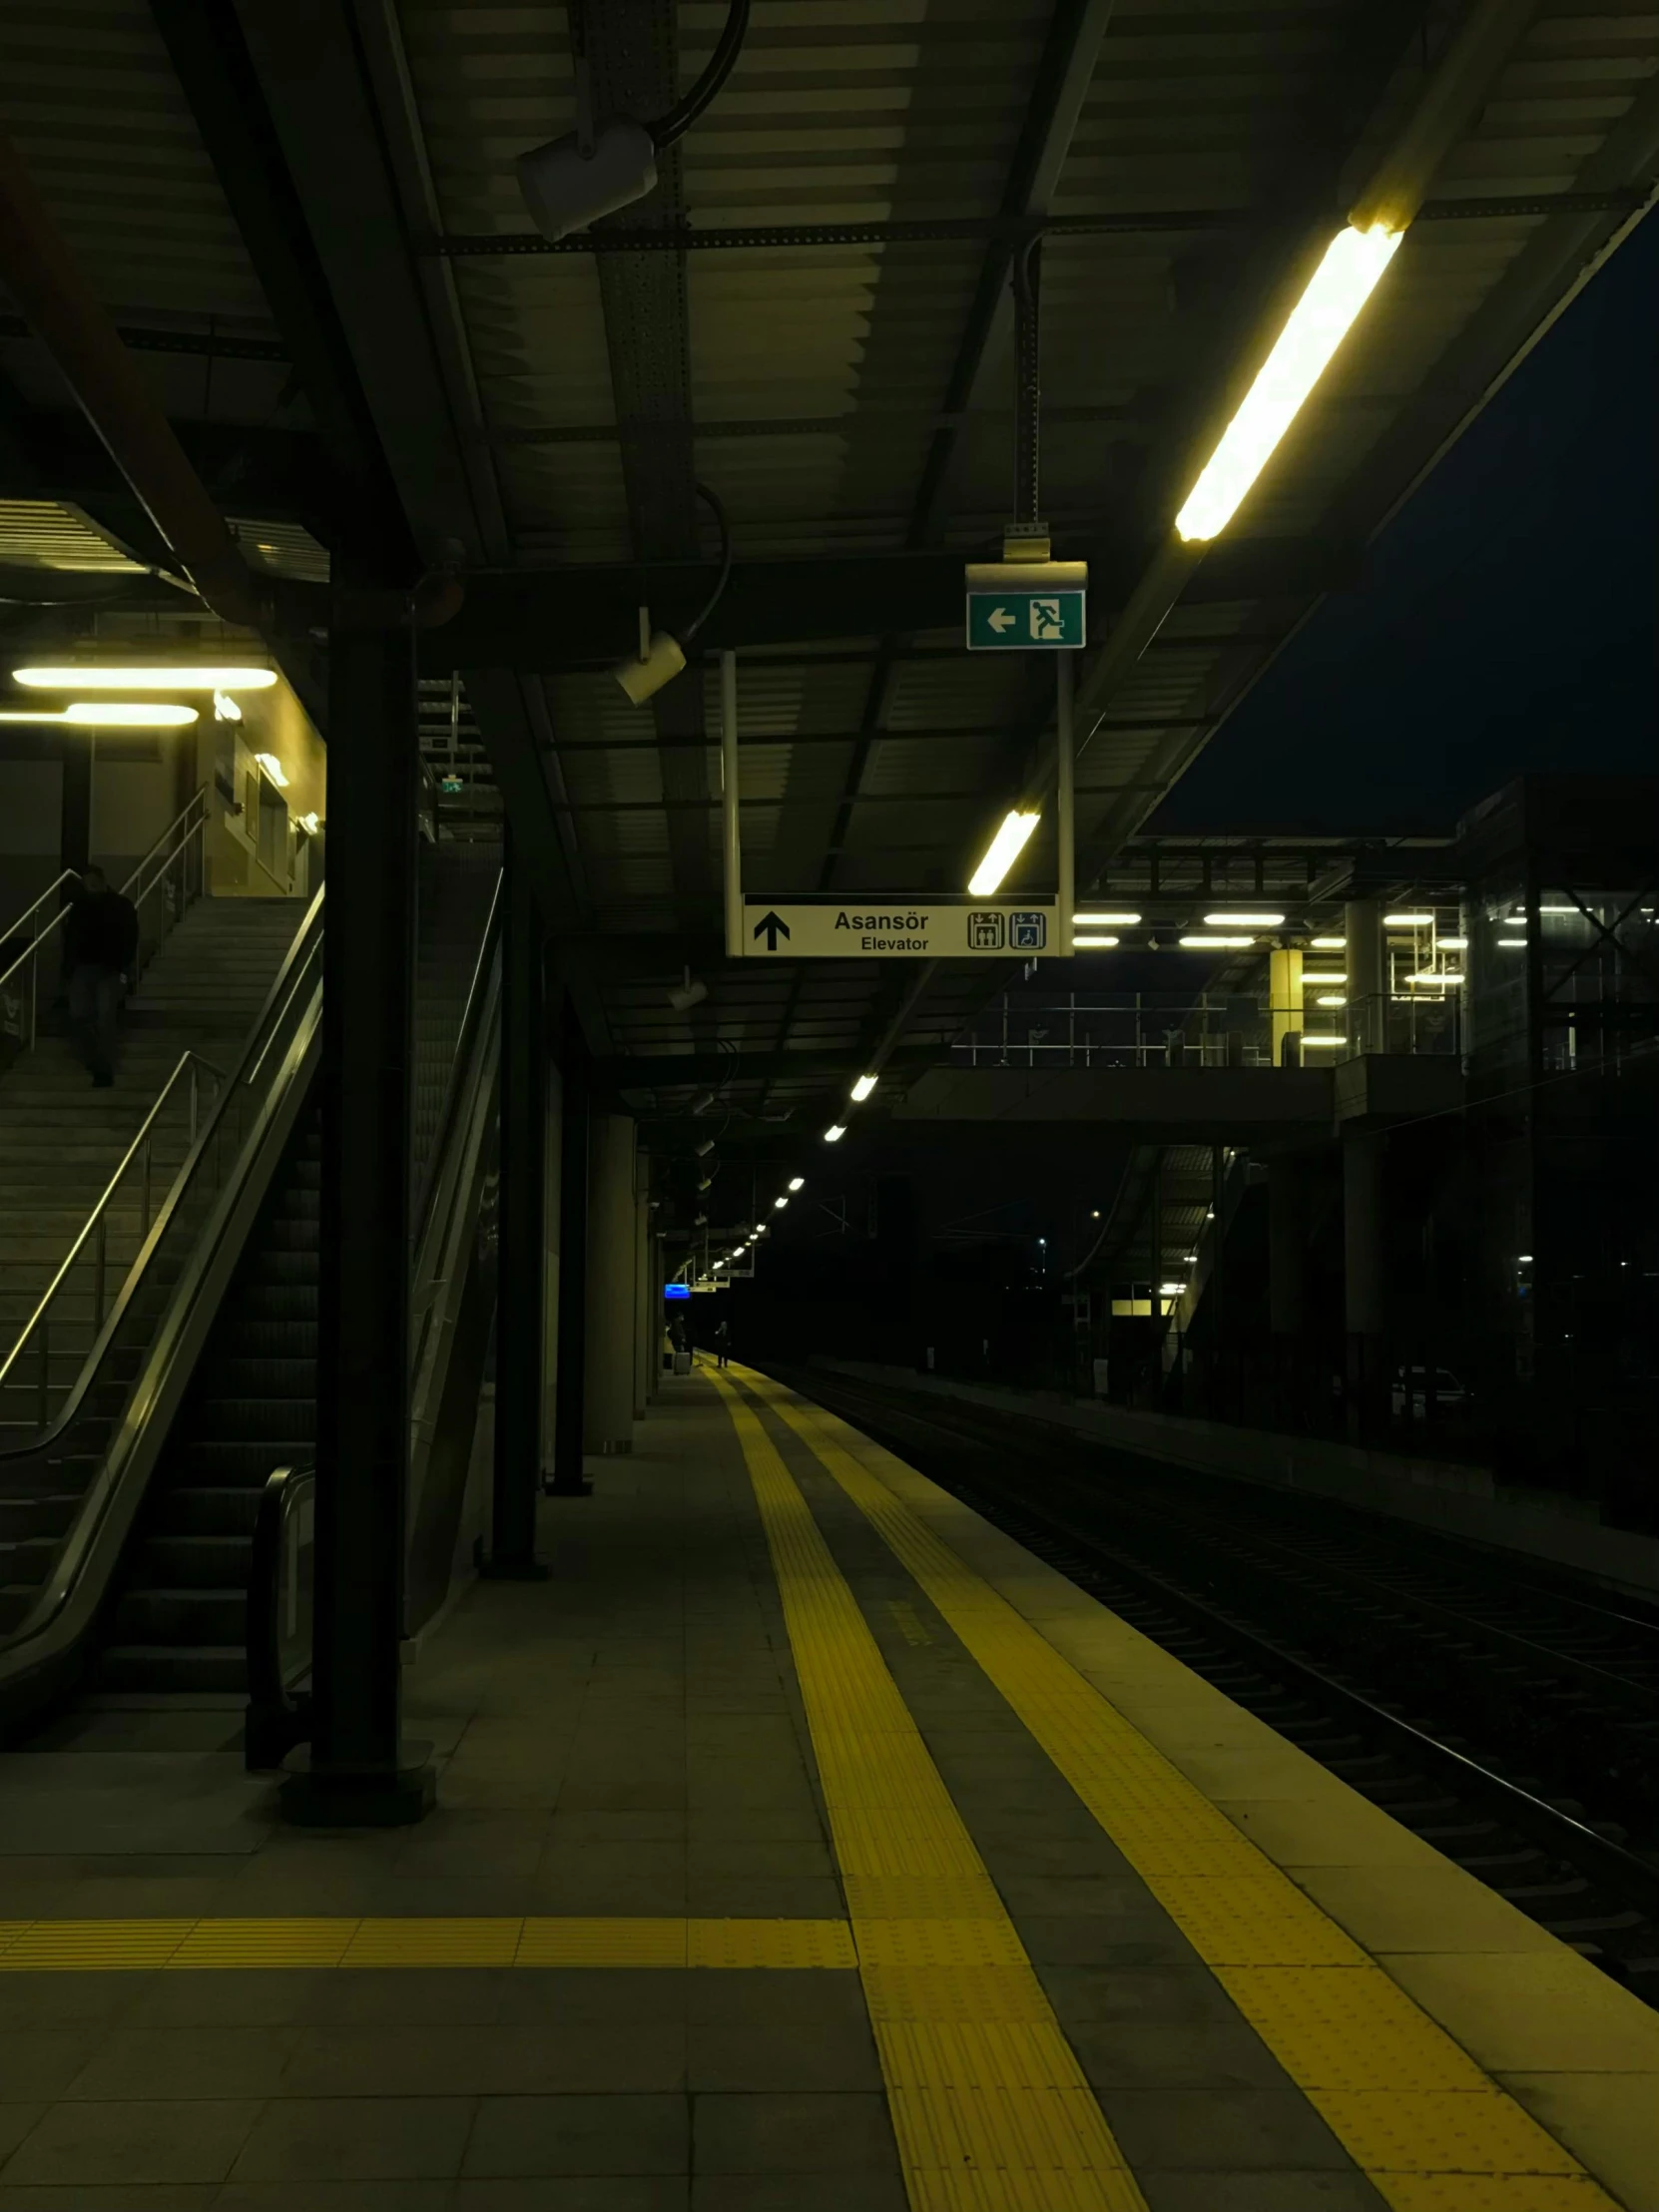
[1001, 619]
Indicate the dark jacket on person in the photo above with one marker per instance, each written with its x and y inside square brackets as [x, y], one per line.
[101, 931]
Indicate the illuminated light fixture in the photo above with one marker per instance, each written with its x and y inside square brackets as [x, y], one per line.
[1104, 921]
[1088, 942]
[310, 825]
[779, 1204]
[1004, 849]
[1453, 944]
[719, 1262]
[1523, 1258]
[273, 770]
[862, 1088]
[835, 1132]
[1307, 977]
[1511, 944]
[1317, 324]
[1435, 975]
[112, 714]
[1307, 1040]
[1243, 921]
[112, 678]
[1331, 998]
[1407, 922]
[1563, 910]
[1330, 944]
[797, 1182]
[1171, 1290]
[1217, 944]
[226, 708]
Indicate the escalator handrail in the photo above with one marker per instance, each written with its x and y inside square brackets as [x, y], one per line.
[182, 1331]
[277, 1716]
[472, 1014]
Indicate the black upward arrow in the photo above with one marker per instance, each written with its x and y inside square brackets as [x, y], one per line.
[773, 927]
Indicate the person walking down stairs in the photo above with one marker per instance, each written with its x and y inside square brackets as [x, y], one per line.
[101, 938]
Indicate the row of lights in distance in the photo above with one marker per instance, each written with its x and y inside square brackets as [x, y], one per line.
[1085, 929]
[863, 1088]
[1346, 276]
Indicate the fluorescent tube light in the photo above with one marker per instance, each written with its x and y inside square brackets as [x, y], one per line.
[797, 1182]
[1243, 921]
[862, 1088]
[1217, 944]
[1511, 944]
[1331, 998]
[1407, 922]
[110, 677]
[1084, 941]
[1171, 1290]
[1435, 975]
[1104, 921]
[835, 1132]
[780, 1202]
[1307, 1041]
[1317, 324]
[1330, 944]
[110, 714]
[1309, 979]
[1004, 849]
[1453, 944]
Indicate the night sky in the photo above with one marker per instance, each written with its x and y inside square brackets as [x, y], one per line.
[1508, 620]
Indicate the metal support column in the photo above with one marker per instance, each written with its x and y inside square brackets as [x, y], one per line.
[520, 1320]
[1367, 968]
[361, 1771]
[730, 831]
[609, 1416]
[1363, 1285]
[642, 1283]
[569, 1415]
[1065, 811]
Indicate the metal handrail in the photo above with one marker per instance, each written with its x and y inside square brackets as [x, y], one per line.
[69, 875]
[197, 799]
[93, 1226]
[277, 1716]
[178, 835]
[299, 957]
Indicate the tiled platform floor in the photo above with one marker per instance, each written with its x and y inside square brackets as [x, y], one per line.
[629, 1740]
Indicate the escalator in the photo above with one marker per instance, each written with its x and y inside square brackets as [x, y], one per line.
[142, 1495]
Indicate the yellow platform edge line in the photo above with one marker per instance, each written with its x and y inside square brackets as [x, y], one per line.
[991, 2109]
[205, 1945]
[1421, 2120]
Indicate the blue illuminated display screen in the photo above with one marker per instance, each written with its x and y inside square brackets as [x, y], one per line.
[675, 1289]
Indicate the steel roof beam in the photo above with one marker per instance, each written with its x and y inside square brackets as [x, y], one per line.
[586, 617]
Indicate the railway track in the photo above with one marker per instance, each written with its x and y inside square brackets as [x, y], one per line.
[1507, 1718]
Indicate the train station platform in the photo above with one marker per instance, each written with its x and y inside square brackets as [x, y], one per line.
[802, 1843]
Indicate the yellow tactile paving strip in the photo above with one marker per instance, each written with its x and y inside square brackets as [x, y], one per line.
[1431, 2131]
[989, 2105]
[68, 1946]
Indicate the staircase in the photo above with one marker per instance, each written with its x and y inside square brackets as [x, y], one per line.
[61, 1141]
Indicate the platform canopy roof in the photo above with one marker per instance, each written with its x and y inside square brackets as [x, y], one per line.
[303, 216]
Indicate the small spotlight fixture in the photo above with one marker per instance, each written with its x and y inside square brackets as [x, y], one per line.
[835, 1132]
[779, 1204]
[704, 1147]
[797, 1182]
[862, 1088]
